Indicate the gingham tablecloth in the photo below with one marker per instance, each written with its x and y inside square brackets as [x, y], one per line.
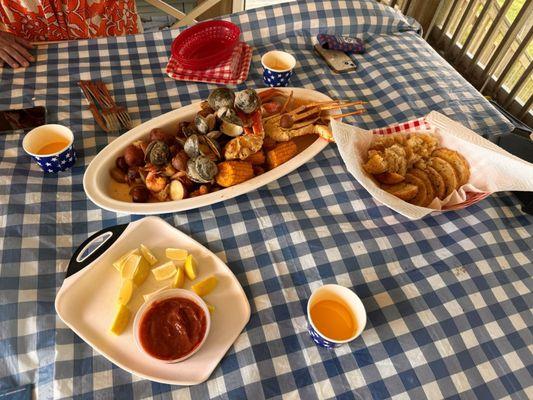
[448, 297]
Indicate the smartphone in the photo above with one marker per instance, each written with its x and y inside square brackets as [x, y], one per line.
[337, 60]
[26, 118]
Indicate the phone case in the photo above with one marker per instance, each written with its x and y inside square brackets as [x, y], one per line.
[337, 60]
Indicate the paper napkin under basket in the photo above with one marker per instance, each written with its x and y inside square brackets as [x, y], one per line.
[492, 169]
[230, 72]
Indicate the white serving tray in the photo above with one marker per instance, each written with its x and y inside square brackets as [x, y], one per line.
[87, 299]
[96, 178]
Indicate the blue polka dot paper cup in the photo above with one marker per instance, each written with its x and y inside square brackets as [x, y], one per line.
[278, 67]
[346, 305]
[50, 146]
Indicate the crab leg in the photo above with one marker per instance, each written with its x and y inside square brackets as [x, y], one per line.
[305, 123]
[286, 103]
[337, 116]
[299, 117]
[344, 105]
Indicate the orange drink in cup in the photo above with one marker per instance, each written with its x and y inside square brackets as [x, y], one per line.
[50, 146]
[335, 316]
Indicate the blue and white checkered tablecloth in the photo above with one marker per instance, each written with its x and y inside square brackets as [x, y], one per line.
[448, 297]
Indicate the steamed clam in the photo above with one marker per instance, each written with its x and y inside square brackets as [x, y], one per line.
[221, 97]
[204, 124]
[197, 145]
[232, 126]
[247, 101]
[192, 146]
[214, 135]
[189, 130]
[202, 169]
[158, 153]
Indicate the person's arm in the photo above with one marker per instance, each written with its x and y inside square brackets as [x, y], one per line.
[14, 50]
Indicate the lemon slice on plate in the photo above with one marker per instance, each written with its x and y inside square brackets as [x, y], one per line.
[122, 317]
[129, 266]
[141, 272]
[148, 255]
[125, 292]
[203, 288]
[179, 280]
[190, 267]
[120, 262]
[165, 271]
[147, 296]
[176, 254]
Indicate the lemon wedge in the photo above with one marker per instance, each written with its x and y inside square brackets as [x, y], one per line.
[165, 271]
[125, 292]
[141, 272]
[122, 317]
[190, 267]
[147, 296]
[176, 254]
[120, 262]
[179, 280]
[148, 255]
[206, 286]
[129, 266]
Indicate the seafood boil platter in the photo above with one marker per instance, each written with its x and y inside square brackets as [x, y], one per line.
[96, 281]
[212, 150]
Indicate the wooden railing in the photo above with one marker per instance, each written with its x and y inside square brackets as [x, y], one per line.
[487, 41]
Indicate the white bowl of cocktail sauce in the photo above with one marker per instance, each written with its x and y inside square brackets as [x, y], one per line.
[172, 325]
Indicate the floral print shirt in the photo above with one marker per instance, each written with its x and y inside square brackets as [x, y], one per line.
[48, 20]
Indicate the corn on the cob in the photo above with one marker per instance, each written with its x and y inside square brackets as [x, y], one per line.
[258, 170]
[233, 172]
[256, 158]
[284, 151]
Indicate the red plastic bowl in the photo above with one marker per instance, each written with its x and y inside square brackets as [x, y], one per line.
[205, 44]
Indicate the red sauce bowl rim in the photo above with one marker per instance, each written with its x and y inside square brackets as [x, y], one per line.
[171, 294]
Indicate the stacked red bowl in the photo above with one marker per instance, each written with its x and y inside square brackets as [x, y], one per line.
[205, 44]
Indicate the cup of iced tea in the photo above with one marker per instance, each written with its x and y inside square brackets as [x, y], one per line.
[51, 147]
[335, 316]
[278, 68]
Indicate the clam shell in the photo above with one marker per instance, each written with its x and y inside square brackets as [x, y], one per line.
[214, 135]
[192, 146]
[201, 170]
[201, 124]
[221, 97]
[206, 168]
[231, 126]
[158, 153]
[247, 100]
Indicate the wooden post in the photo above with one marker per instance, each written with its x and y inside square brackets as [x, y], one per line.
[224, 7]
[423, 11]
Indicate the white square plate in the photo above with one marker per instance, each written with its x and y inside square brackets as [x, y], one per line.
[86, 302]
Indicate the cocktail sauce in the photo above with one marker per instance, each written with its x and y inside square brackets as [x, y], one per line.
[172, 328]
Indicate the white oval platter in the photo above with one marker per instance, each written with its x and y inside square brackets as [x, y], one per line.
[96, 178]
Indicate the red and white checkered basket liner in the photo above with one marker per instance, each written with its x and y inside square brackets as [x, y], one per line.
[233, 72]
[420, 124]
